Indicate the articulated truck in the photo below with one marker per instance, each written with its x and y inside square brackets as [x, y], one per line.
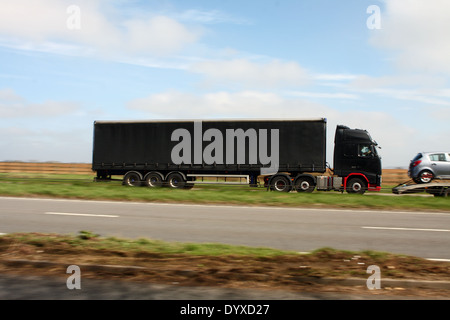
[287, 155]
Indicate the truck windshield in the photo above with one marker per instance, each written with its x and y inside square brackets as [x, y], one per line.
[374, 150]
[367, 150]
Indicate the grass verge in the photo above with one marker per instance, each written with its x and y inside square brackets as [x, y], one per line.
[83, 187]
[211, 263]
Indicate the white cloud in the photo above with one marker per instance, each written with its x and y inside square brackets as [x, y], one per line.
[243, 104]
[249, 74]
[417, 32]
[210, 17]
[427, 89]
[335, 77]
[43, 24]
[324, 95]
[14, 106]
[159, 35]
[441, 114]
[403, 80]
[40, 21]
[43, 144]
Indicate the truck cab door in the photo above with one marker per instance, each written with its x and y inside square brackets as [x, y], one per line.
[361, 157]
[351, 156]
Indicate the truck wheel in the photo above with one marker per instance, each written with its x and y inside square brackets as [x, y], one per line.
[356, 185]
[425, 176]
[304, 184]
[132, 179]
[153, 180]
[280, 184]
[175, 180]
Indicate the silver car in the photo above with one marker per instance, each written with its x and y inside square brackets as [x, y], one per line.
[427, 166]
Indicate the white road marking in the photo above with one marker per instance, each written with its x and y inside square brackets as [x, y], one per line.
[407, 229]
[83, 214]
[441, 260]
[250, 207]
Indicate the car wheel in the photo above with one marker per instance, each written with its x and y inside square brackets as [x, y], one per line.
[426, 176]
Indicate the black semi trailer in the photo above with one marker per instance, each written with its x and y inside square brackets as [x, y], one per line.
[289, 154]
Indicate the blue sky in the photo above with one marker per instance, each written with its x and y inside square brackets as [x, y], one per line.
[65, 64]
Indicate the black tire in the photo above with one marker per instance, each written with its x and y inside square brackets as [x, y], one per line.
[304, 184]
[153, 180]
[356, 186]
[176, 181]
[132, 179]
[425, 176]
[280, 184]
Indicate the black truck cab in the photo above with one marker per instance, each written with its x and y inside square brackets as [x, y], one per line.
[356, 157]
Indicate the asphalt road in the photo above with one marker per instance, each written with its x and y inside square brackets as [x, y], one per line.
[422, 234]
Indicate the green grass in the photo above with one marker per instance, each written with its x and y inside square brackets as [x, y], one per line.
[85, 240]
[278, 265]
[83, 187]
[88, 240]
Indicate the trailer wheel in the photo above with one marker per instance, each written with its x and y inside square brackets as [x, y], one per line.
[356, 185]
[176, 180]
[132, 179]
[280, 184]
[304, 184]
[153, 180]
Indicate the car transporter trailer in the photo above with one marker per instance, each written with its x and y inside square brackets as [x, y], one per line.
[436, 188]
